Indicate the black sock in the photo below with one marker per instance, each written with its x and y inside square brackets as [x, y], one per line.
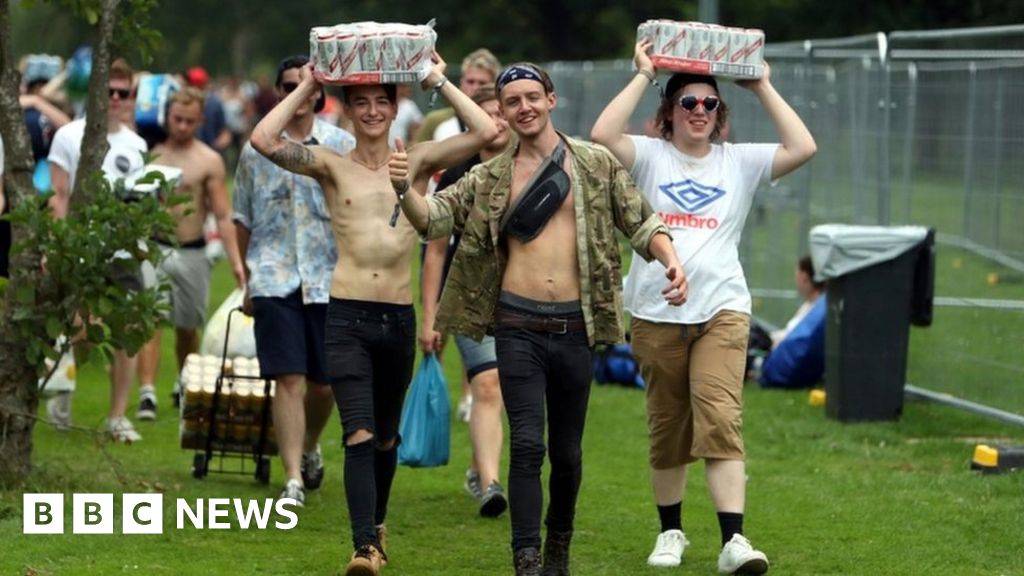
[360, 492]
[671, 516]
[730, 523]
[384, 464]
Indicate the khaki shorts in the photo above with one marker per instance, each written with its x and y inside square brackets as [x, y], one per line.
[694, 377]
[187, 270]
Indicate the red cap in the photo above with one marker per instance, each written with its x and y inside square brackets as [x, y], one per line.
[197, 76]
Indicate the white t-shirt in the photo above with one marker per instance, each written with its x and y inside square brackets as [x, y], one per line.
[123, 160]
[1, 156]
[447, 129]
[704, 202]
[407, 115]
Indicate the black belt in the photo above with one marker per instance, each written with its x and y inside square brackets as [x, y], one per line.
[539, 323]
[192, 245]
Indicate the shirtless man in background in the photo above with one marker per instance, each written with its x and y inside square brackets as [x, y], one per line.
[186, 266]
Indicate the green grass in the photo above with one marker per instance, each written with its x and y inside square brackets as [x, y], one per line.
[823, 498]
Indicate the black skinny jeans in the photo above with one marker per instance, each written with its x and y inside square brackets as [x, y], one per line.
[371, 347]
[543, 369]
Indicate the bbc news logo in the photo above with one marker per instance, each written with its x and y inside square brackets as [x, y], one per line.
[144, 514]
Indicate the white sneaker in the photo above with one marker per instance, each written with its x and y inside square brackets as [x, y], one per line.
[668, 550]
[739, 557]
[465, 408]
[293, 489]
[58, 410]
[121, 430]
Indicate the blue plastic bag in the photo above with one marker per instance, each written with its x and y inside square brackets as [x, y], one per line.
[425, 426]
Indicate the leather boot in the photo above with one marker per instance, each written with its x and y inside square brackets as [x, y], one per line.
[556, 553]
[527, 562]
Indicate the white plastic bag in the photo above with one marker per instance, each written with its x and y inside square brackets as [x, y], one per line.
[241, 341]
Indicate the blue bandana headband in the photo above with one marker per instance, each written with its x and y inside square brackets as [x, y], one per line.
[517, 72]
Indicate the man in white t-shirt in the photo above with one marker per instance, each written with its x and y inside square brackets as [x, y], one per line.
[692, 357]
[408, 117]
[124, 161]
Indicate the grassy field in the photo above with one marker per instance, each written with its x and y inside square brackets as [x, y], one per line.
[823, 498]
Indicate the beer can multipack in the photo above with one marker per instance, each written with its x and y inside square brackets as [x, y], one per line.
[237, 420]
[371, 52]
[701, 48]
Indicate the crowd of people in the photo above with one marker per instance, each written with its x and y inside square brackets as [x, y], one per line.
[522, 268]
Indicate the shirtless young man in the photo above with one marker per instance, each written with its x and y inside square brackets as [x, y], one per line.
[186, 266]
[548, 292]
[371, 326]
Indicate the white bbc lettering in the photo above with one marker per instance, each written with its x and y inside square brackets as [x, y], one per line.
[42, 514]
[142, 514]
[281, 507]
[253, 512]
[183, 510]
[92, 514]
[218, 508]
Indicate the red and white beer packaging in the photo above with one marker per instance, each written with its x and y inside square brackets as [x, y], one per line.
[371, 52]
[704, 48]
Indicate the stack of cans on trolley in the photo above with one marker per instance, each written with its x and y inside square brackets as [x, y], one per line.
[239, 415]
[705, 48]
[371, 52]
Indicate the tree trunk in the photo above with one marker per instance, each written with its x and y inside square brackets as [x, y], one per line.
[94, 143]
[19, 392]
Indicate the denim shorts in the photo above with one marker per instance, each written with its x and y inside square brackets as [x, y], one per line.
[477, 356]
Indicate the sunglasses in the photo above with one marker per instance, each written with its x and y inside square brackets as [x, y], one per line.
[289, 87]
[689, 103]
[122, 93]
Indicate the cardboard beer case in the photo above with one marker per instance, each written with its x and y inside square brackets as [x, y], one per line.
[371, 52]
[702, 48]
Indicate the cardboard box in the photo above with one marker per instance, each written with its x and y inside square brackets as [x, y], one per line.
[705, 48]
[371, 53]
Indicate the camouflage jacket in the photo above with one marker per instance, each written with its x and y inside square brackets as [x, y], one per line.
[605, 199]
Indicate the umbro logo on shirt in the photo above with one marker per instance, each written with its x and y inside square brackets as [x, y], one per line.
[691, 196]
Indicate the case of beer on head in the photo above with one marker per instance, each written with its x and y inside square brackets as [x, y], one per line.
[371, 52]
[704, 48]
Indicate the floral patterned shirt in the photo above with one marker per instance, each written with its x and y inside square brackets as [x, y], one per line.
[290, 239]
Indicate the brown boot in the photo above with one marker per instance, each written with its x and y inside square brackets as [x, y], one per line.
[527, 562]
[556, 553]
[382, 537]
[366, 561]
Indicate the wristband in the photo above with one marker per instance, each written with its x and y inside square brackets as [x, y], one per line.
[647, 74]
[437, 90]
[400, 190]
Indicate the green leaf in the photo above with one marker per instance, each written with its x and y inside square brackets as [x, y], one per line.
[53, 328]
[26, 295]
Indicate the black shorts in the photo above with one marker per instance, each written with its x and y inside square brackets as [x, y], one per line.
[290, 337]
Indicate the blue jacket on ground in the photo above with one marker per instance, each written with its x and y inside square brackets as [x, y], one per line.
[799, 360]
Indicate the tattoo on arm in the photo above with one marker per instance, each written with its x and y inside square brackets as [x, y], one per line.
[292, 156]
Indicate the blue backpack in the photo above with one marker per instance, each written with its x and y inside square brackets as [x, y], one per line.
[615, 365]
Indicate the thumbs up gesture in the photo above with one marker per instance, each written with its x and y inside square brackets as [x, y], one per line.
[398, 168]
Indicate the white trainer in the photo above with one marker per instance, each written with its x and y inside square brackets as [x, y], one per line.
[739, 557]
[121, 430]
[465, 408]
[668, 550]
[294, 490]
